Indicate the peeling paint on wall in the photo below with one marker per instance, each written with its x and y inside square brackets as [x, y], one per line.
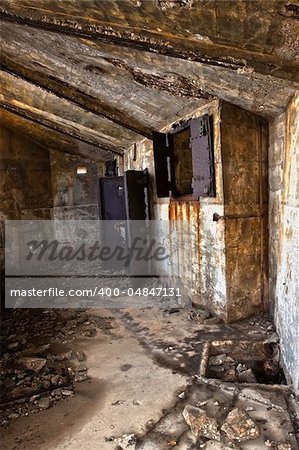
[207, 239]
[215, 272]
[284, 234]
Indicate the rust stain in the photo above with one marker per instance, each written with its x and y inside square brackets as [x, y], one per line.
[188, 237]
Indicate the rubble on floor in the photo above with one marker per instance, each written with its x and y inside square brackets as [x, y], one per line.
[245, 416]
[227, 369]
[200, 423]
[244, 362]
[40, 361]
[126, 442]
[238, 426]
[224, 418]
[206, 413]
[277, 446]
[202, 316]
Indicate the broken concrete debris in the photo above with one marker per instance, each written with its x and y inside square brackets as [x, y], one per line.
[78, 374]
[212, 445]
[244, 362]
[199, 315]
[42, 367]
[182, 395]
[44, 403]
[200, 423]
[80, 355]
[238, 426]
[126, 442]
[202, 316]
[214, 402]
[219, 360]
[245, 374]
[226, 368]
[31, 363]
[277, 445]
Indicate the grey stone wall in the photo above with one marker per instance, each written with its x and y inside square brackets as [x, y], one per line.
[284, 234]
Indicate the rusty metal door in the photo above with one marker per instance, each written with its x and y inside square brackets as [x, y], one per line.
[112, 198]
[202, 156]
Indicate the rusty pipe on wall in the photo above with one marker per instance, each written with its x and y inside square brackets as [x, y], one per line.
[217, 217]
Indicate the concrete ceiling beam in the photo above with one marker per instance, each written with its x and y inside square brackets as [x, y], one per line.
[145, 89]
[38, 105]
[146, 36]
[75, 95]
[50, 139]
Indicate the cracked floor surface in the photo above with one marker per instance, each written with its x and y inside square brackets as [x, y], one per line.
[142, 374]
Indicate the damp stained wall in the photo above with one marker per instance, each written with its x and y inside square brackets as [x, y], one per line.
[225, 262]
[284, 234]
[202, 262]
[25, 183]
[25, 178]
[75, 196]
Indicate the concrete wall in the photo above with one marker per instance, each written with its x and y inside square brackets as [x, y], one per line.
[25, 184]
[284, 234]
[25, 178]
[74, 196]
[203, 270]
[36, 183]
[215, 271]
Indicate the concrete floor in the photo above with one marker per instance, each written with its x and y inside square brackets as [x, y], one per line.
[137, 371]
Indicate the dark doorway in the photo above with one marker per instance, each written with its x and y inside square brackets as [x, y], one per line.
[112, 198]
[126, 201]
[126, 197]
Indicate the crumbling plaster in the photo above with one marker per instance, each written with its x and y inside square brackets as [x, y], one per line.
[217, 276]
[284, 234]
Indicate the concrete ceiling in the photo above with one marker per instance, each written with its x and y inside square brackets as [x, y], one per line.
[50, 139]
[104, 74]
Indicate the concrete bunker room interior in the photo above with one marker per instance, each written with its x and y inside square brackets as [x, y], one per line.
[173, 112]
